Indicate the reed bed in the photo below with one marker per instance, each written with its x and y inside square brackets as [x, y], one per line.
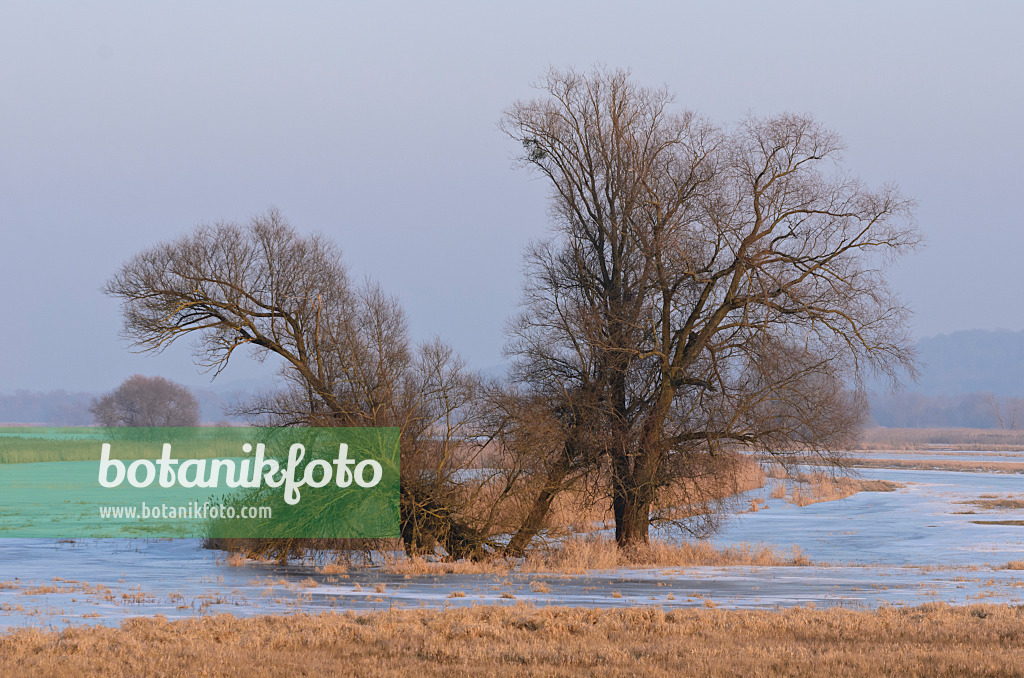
[820, 487]
[940, 465]
[970, 439]
[580, 555]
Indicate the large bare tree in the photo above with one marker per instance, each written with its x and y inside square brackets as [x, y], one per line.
[344, 349]
[702, 287]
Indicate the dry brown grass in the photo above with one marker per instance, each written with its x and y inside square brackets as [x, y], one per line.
[1016, 523]
[750, 475]
[994, 503]
[518, 640]
[819, 487]
[418, 565]
[930, 452]
[941, 465]
[579, 555]
[994, 440]
[47, 589]
[539, 587]
[336, 567]
[1014, 565]
[236, 560]
[582, 555]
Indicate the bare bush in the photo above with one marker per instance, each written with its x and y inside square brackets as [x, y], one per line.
[147, 401]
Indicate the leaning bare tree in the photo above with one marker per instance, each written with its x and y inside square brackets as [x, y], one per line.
[344, 349]
[702, 288]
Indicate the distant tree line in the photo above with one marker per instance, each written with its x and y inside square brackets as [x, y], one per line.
[58, 407]
[965, 410]
[71, 408]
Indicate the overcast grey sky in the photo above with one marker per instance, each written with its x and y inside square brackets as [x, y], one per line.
[123, 124]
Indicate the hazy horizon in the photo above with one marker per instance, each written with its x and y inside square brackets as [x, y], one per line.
[128, 124]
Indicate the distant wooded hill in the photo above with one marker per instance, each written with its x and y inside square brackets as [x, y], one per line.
[972, 361]
[969, 379]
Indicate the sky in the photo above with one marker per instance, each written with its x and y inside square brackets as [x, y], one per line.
[126, 124]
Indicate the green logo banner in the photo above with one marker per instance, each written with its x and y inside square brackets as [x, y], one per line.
[199, 482]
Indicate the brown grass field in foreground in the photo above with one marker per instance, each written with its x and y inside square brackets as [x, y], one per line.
[980, 640]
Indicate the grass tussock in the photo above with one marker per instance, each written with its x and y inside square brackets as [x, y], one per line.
[819, 487]
[934, 639]
[335, 567]
[995, 503]
[1014, 565]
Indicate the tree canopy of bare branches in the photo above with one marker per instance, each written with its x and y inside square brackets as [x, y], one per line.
[701, 287]
[345, 352]
[146, 401]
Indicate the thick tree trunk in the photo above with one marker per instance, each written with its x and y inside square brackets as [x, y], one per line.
[633, 483]
[632, 517]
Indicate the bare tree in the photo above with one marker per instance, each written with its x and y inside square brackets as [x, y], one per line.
[345, 351]
[147, 401]
[702, 287]
[1007, 411]
[996, 407]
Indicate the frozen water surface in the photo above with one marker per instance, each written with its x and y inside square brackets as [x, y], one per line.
[911, 546]
[922, 523]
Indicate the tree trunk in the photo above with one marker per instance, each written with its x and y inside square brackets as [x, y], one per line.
[539, 511]
[632, 517]
[633, 494]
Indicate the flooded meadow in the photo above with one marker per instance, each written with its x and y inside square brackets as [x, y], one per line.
[943, 535]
